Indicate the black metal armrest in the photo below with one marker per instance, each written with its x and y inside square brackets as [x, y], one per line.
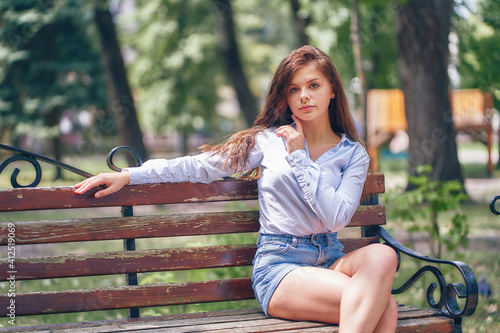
[447, 304]
[33, 159]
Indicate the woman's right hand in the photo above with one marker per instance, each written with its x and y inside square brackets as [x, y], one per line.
[113, 182]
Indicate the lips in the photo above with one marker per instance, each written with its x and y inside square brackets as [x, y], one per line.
[306, 108]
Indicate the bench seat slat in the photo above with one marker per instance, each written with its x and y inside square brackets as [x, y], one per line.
[122, 262]
[138, 324]
[251, 326]
[149, 194]
[171, 225]
[129, 297]
[410, 319]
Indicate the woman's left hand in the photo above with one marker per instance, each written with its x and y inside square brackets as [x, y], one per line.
[294, 137]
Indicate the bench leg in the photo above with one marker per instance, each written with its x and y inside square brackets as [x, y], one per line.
[458, 325]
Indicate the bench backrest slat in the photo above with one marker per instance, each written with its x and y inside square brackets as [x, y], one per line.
[133, 296]
[137, 195]
[111, 228]
[122, 262]
[171, 225]
[131, 195]
[143, 261]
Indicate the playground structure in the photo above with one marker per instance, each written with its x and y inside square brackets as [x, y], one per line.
[472, 112]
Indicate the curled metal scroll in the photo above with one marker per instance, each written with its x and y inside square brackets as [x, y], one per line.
[33, 159]
[15, 173]
[492, 205]
[430, 289]
[447, 303]
[135, 155]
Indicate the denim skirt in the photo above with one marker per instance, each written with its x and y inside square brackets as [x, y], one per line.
[278, 255]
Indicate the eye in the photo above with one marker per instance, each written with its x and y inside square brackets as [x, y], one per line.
[315, 85]
[292, 90]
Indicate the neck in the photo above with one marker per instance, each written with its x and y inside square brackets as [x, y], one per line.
[319, 131]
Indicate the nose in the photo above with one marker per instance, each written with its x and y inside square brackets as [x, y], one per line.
[304, 96]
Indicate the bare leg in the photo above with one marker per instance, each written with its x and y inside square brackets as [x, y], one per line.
[355, 292]
[389, 320]
[372, 269]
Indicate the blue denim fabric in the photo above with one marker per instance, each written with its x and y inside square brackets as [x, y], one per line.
[278, 255]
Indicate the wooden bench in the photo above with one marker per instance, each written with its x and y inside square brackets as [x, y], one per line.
[444, 315]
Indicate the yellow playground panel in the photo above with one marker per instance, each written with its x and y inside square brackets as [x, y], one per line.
[471, 109]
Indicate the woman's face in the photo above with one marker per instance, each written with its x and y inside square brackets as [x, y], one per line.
[308, 94]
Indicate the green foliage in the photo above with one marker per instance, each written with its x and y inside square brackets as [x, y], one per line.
[48, 64]
[429, 200]
[176, 68]
[478, 30]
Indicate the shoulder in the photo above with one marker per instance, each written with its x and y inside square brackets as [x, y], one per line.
[265, 135]
[358, 150]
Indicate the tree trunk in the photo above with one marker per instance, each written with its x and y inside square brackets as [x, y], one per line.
[54, 120]
[122, 102]
[422, 33]
[54, 115]
[229, 49]
[300, 23]
[358, 62]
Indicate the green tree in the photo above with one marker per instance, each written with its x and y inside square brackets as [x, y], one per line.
[478, 31]
[479, 35]
[47, 65]
[423, 27]
[228, 48]
[424, 206]
[176, 71]
[122, 105]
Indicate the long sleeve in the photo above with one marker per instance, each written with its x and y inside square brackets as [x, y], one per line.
[333, 199]
[202, 168]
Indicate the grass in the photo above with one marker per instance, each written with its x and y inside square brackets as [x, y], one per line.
[481, 254]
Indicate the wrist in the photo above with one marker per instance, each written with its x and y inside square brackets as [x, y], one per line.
[125, 176]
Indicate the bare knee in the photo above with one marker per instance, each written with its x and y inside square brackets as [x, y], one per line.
[384, 258]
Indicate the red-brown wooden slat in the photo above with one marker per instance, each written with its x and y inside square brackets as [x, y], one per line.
[375, 183]
[253, 316]
[130, 262]
[138, 324]
[131, 195]
[128, 297]
[143, 261]
[150, 194]
[426, 325]
[111, 228]
[351, 244]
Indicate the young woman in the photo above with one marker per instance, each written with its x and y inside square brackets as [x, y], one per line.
[313, 172]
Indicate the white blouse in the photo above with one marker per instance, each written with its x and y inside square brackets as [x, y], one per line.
[296, 195]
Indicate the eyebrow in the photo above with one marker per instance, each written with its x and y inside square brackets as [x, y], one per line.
[311, 80]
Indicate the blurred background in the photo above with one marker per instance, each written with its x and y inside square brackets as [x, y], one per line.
[422, 77]
[164, 76]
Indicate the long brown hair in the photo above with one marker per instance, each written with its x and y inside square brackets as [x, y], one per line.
[235, 151]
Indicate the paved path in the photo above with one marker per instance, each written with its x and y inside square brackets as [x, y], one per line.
[482, 189]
